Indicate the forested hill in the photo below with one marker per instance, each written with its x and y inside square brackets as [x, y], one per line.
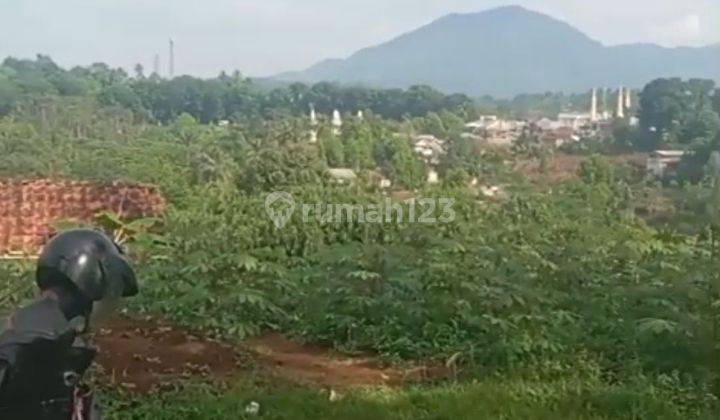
[508, 51]
[26, 83]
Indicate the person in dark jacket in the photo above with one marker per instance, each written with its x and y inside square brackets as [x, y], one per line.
[82, 276]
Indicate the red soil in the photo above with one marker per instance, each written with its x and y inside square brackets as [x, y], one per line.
[144, 355]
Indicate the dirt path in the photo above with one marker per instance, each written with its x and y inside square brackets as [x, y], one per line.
[143, 355]
[313, 365]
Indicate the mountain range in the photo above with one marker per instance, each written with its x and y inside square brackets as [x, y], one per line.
[508, 51]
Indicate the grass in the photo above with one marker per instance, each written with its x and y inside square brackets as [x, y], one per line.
[482, 400]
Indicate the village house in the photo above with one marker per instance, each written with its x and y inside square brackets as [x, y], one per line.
[494, 131]
[660, 162]
[429, 147]
[30, 207]
[568, 127]
[342, 176]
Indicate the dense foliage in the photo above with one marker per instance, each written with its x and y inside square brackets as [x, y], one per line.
[27, 84]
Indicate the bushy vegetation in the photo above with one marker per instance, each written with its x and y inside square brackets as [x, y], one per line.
[569, 303]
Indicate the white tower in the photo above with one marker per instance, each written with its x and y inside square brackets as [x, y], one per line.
[605, 106]
[171, 63]
[620, 112]
[336, 123]
[593, 106]
[628, 99]
[313, 125]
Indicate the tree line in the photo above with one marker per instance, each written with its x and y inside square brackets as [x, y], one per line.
[225, 97]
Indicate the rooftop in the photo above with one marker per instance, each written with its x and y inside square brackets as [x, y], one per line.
[29, 208]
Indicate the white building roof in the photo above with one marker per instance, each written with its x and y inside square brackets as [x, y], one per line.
[548, 124]
[573, 116]
[669, 153]
[342, 174]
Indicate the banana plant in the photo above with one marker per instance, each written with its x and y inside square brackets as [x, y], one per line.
[139, 233]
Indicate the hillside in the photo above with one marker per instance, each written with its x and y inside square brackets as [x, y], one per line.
[508, 51]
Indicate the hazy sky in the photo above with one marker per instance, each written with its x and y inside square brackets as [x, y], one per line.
[262, 37]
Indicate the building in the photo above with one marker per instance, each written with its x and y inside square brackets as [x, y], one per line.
[376, 179]
[559, 136]
[491, 191]
[429, 147]
[342, 176]
[620, 111]
[567, 127]
[336, 123]
[494, 131]
[546, 124]
[594, 106]
[575, 126]
[573, 120]
[661, 162]
[313, 125]
[29, 208]
[482, 122]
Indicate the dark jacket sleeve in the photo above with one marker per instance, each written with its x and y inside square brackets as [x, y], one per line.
[3, 371]
[35, 351]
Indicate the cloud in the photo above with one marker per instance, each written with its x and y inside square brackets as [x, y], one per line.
[686, 30]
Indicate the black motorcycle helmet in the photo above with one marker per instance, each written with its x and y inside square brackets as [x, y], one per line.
[88, 260]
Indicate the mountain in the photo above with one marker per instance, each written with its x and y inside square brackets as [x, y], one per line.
[509, 51]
